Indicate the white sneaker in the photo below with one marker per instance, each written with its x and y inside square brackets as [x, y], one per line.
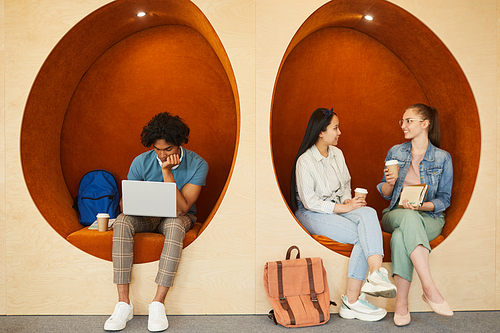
[378, 284]
[118, 320]
[157, 320]
[361, 309]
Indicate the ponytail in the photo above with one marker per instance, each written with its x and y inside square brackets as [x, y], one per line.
[434, 128]
[431, 114]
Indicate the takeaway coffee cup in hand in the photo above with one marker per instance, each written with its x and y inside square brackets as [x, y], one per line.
[360, 192]
[102, 221]
[392, 165]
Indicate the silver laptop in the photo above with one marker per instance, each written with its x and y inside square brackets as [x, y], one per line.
[141, 198]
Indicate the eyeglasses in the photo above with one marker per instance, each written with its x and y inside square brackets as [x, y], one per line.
[408, 121]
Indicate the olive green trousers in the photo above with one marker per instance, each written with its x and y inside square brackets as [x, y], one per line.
[409, 229]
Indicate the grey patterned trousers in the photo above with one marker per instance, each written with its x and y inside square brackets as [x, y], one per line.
[174, 229]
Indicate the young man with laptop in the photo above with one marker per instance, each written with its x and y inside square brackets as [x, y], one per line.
[167, 162]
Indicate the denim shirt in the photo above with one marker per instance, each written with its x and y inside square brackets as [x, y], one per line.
[436, 170]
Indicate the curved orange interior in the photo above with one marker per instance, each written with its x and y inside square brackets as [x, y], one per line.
[102, 83]
[370, 72]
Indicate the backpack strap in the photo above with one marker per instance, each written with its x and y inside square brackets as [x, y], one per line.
[289, 252]
[75, 206]
[314, 298]
[272, 317]
[283, 301]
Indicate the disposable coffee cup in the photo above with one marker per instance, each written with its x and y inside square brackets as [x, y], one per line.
[360, 192]
[392, 165]
[102, 221]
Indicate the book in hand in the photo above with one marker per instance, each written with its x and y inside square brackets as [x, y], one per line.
[415, 194]
[94, 225]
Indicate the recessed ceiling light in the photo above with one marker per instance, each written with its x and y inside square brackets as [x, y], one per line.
[141, 14]
[368, 17]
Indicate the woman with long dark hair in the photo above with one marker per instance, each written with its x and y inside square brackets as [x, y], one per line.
[320, 195]
[420, 161]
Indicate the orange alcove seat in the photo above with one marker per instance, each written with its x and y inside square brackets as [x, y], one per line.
[370, 72]
[146, 244]
[345, 249]
[104, 80]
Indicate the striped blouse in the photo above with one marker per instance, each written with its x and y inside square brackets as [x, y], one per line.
[314, 189]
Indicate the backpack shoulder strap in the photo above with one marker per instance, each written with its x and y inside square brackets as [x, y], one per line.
[314, 298]
[283, 300]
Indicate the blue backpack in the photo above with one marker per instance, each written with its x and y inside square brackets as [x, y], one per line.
[97, 193]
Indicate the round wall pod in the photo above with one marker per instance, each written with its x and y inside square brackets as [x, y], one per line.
[101, 84]
[370, 71]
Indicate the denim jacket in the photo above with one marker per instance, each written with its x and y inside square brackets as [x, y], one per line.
[436, 170]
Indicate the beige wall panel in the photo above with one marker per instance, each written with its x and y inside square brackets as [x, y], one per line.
[221, 272]
[277, 22]
[3, 271]
[49, 275]
[43, 267]
[498, 167]
[222, 261]
[469, 32]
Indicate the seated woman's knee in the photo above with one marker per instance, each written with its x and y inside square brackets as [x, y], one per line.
[368, 213]
[397, 237]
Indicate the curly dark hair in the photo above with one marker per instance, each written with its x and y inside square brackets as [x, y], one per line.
[165, 126]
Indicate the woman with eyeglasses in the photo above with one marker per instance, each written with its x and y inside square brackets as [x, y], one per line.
[420, 161]
[320, 195]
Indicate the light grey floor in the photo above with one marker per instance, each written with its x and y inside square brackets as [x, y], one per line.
[481, 321]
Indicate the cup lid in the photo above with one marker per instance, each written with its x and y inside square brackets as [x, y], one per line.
[102, 215]
[391, 162]
[361, 190]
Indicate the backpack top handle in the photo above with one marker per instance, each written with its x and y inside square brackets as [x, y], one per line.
[289, 252]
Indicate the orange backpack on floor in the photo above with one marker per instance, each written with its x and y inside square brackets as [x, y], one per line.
[298, 291]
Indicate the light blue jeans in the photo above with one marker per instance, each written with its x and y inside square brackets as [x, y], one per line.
[359, 227]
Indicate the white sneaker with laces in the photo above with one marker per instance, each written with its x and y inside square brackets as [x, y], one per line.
[157, 320]
[378, 284]
[118, 320]
[361, 309]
